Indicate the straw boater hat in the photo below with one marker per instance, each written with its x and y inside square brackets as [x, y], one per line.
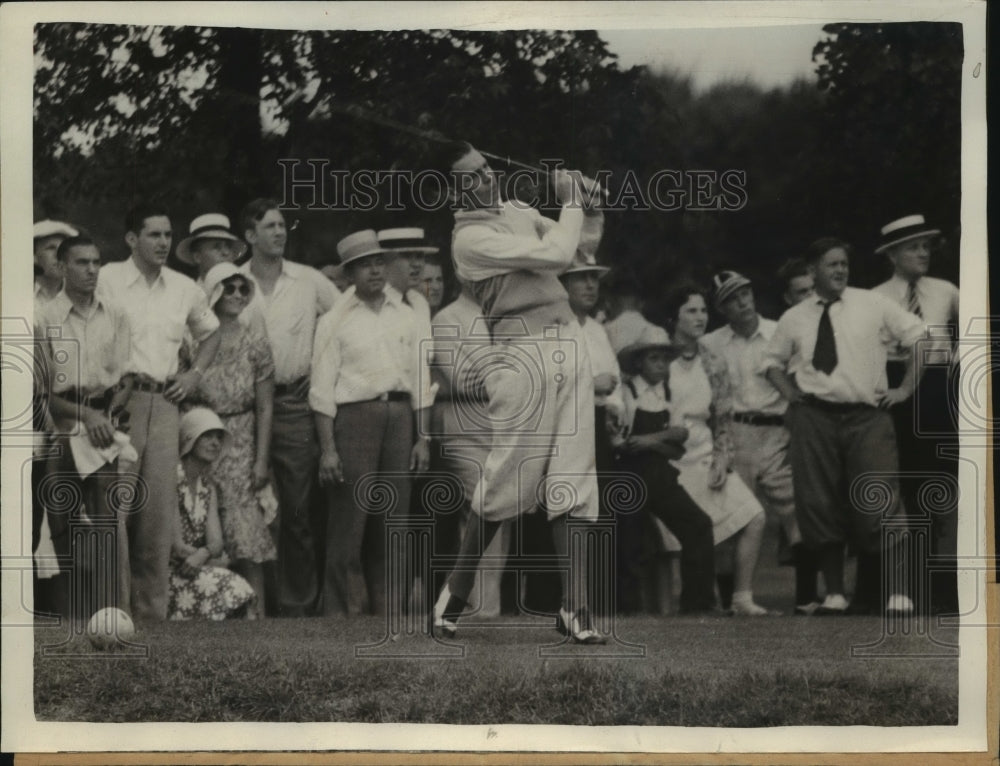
[360, 244]
[585, 262]
[210, 226]
[48, 228]
[652, 337]
[724, 284]
[198, 421]
[903, 229]
[217, 275]
[405, 241]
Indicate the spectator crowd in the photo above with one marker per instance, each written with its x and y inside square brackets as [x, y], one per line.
[244, 436]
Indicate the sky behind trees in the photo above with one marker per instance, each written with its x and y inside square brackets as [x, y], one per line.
[768, 56]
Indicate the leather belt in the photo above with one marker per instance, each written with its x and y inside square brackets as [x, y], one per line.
[835, 407]
[94, 401]
[284, 389]
[150, 386]
[758, 419]
[388, 396]
[393, 396]
[234, 413]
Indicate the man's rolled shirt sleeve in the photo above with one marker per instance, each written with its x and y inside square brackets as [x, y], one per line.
[423, 392]
[325, 368]
[201, 320]
[905, 328]
[779, 349]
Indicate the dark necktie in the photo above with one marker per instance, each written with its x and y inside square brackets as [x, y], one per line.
[912, 301]
[825, 353]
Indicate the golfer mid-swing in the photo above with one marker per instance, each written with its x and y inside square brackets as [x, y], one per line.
[536, 377]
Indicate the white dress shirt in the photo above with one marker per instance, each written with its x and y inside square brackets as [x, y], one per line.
[938, 300]
[640, 394]
[300, 295]
[744, 357]
[861, 319]
[158, 314]
[361, 354]
[602, 361]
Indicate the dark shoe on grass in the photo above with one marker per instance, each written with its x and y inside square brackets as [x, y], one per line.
[445, 628]
[577, 627]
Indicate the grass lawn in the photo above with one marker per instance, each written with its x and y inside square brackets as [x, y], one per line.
[711, 671]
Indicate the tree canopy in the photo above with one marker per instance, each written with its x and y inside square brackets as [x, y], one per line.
[199, 117]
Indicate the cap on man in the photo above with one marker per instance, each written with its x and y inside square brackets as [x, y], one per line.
[47, 236]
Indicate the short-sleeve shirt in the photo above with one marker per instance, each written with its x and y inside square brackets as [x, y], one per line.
[752, 392]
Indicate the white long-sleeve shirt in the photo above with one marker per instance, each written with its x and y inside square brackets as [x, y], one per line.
[360, 354]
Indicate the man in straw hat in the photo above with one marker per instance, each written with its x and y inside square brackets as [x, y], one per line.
[161, 304]
[291, 297]
[760, 439]
[209, 242]
[582, 283]
[927, 419]
[827, 358]
[512, 256]
[406, 253]
[368, 379]
[47, 235]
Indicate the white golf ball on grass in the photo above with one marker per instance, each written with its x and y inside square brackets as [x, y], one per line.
[108, 627]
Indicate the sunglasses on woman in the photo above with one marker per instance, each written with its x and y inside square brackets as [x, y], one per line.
[231, 288]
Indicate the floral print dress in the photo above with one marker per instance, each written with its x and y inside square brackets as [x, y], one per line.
[214, 593]
[228, 387]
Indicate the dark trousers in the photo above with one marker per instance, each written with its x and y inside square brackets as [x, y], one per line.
[929, 482]
[845, 472]
[294, 459]
[374, 441]
[87, 534]
[670, 503]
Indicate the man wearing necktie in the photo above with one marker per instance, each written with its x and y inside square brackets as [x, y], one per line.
[827, 358]
[925, 421]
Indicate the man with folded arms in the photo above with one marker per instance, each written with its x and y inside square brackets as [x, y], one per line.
[368, 378]
[827, 358]
[290, 297]
[90, 385]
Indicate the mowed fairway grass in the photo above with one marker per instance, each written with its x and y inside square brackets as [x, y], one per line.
[712, 671]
